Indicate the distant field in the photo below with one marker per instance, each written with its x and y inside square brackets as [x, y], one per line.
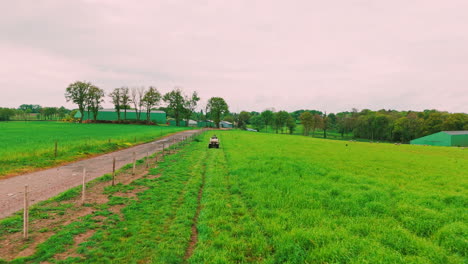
[299, 130]
[26, 146]
[282, 199]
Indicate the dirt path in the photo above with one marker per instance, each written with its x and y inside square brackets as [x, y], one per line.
[48, 183]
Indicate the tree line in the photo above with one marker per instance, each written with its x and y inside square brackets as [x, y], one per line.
[33, 112]
[381, 125]
[142, 100]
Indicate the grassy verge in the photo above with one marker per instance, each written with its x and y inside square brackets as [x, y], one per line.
[158, 215]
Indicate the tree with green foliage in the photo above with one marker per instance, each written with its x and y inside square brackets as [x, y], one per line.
[433, 123]
[267, 117]
[407, 127]
[151, 99]
[176, 104]
[331, 121]
[217, 107]
[77, 92]
[229, 118]
[48, 113]
[95, 99]
[307, 120]
[455, 122]
[291, 124]
[317, 123]
[116, 97]
[62, 112]
[32, 108]
[125, 100]
[280, 119]
[296, 114]
[325, 124]
[6, 114]
[257, 122]
[242, 119]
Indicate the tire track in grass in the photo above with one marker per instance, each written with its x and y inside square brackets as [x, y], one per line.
[194, 236]
[227, 232]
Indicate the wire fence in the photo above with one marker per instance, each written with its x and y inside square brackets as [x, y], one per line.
[13, 203]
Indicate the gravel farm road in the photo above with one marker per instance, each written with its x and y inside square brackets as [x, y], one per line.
[50, 182]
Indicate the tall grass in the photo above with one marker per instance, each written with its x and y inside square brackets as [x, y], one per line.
[304, 200]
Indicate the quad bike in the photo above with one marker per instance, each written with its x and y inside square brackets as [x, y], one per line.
[214, 142]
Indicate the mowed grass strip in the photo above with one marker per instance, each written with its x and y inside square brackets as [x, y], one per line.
[26, 146]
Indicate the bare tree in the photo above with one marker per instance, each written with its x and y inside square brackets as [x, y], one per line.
[190, 105]
[137, 95]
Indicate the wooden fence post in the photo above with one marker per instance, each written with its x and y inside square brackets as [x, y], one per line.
[147, 160]
[134, 163]
[26, 213]
[163, 150]
[83, 192]
[55, 149]
[113, 172]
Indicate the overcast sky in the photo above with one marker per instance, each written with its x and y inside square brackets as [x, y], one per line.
[327, 55]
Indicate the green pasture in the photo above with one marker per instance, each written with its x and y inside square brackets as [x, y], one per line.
[25, 146]
[299, 130]
[284, 199]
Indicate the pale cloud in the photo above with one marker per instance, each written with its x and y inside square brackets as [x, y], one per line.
[327, 55]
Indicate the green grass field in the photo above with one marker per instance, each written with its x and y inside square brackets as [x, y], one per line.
[25, 146]
[285, 199]
[299, 130]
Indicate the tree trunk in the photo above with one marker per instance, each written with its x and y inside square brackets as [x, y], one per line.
[82, 114]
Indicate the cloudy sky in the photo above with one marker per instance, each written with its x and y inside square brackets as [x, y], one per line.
[328, 55]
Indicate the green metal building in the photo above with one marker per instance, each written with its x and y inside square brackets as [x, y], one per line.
[158, 117]
[444, 138]
[206, 123]
[225, 124]
[182, 123]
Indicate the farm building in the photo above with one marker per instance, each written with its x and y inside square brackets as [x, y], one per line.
[207, 123]
[158, 117]
[444, 138]
[225, 124]
[192, 123]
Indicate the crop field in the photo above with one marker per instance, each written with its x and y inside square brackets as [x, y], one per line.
[25, 146]
[265, 198]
